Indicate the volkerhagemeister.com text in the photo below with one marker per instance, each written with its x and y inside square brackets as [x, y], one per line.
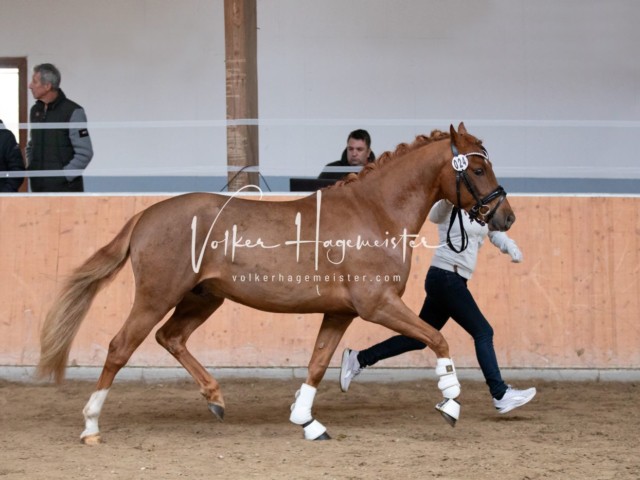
[314, 278]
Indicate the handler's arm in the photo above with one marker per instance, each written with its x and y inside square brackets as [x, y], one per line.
[440, 211]
[506, 245]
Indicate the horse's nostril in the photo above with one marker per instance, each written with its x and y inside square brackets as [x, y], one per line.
[510, 219]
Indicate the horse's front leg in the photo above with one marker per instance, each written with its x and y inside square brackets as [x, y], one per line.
[394, 314]
[330, 334]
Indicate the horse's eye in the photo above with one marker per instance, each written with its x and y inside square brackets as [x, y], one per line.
[479, 172]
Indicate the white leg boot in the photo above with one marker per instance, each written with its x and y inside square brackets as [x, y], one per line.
[450, 387]
[301, 414]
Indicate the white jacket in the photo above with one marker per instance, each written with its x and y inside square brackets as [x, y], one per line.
[464, 263]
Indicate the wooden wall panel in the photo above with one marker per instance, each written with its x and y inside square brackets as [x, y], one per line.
[572, 303]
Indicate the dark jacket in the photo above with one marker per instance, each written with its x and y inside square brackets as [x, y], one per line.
[58, 148]
[343, 162]
[10, 160]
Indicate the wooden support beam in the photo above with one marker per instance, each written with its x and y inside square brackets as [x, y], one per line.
[241, 40]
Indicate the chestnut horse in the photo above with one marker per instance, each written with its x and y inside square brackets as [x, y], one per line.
[347, 240]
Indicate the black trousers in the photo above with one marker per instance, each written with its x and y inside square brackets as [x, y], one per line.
[447, 297]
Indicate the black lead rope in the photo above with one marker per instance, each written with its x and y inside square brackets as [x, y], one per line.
[464, 238]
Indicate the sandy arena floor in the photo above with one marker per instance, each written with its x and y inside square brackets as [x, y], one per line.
[158, 431]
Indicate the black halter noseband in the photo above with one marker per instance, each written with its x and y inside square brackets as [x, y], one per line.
[481, 212]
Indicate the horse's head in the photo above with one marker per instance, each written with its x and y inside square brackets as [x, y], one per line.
[468, 182]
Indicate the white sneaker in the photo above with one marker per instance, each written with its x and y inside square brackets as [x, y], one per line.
[513, 398]
[349, 369]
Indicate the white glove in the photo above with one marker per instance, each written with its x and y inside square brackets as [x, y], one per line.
[506, 245]
[514, 251]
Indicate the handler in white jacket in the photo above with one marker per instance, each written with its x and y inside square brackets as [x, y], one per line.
[448, 297]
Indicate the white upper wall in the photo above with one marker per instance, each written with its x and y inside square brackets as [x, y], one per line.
[550, 85]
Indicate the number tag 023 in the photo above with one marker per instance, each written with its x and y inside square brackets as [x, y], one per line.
[460, 163]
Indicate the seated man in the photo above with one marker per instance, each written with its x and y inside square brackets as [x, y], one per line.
[357, 154]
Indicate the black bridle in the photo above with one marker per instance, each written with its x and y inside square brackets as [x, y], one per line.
[481, 212]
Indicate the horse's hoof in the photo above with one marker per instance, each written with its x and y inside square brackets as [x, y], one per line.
[450, 410]
[449, 419]
[314, 430]
[217, 410]
[92, 439]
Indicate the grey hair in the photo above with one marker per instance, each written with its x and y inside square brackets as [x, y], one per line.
[49, 74]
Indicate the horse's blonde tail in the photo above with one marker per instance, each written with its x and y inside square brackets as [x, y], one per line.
[73, 302]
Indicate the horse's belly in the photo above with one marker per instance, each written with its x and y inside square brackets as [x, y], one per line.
[291, 295]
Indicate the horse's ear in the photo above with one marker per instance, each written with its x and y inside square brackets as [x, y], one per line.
[454, 134]
[462, 129]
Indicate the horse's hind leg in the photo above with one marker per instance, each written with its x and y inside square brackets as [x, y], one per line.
[190, 313]
[139, 324]
[329, 336]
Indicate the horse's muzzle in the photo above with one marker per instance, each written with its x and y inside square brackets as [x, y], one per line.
[502, 221]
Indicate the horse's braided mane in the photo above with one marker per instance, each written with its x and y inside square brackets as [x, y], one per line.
[401, 150]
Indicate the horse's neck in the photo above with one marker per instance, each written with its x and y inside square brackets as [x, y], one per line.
[407, 189]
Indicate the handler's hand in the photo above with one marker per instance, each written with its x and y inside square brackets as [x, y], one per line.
[514, 252]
